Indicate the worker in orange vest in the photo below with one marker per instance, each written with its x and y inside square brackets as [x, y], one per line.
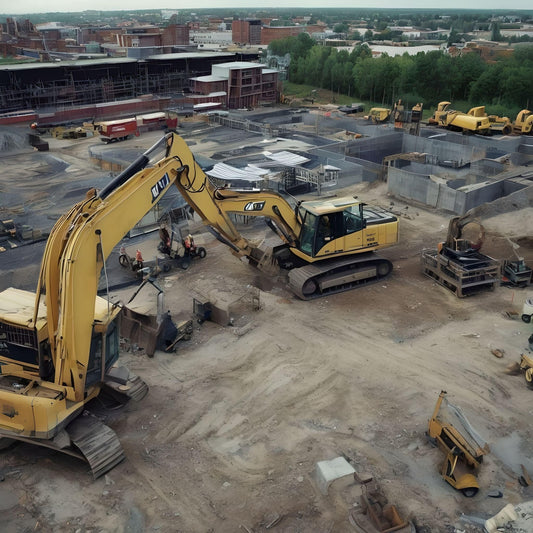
[139, 259]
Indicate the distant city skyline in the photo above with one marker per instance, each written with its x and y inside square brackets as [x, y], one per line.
[65, 6]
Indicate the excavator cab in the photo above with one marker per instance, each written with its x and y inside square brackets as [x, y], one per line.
[327, 233]
[104, 346]
[343, 225]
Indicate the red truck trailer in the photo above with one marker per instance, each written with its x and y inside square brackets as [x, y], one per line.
[156, 121]
[117, 130]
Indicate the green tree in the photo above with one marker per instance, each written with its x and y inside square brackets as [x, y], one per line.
[341, 28]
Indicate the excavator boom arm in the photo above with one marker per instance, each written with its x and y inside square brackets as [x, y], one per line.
[82, 239]
[214, 205]
[76, 251]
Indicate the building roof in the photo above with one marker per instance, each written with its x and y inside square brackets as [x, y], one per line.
[227, 172]
[240, 65]
[190, 55]
[73, 63]
[288, 158]
[214, 94]
[206, 105]
[210, 78]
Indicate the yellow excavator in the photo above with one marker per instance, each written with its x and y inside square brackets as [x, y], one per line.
[59, 347]
[328, 244]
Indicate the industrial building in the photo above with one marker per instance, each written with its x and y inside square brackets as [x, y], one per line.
[66, 84]
[238, 85]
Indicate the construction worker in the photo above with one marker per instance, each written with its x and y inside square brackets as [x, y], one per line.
[189, 244]
[139, 259]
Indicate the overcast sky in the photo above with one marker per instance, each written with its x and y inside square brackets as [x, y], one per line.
[40, 6]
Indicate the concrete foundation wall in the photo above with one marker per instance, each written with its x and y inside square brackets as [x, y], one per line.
[499, 143]
[440, 195]
[442, 151]
[486, 167]
[510, 187]
[526, 147]
[376, 148]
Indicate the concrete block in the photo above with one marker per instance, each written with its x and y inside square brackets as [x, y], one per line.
[507, 514]
[328, 471]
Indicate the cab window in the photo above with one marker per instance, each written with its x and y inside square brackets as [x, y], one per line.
[352, 220]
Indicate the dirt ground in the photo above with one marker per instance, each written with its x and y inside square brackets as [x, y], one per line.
[236, 419]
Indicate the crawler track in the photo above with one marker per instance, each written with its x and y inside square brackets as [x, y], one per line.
[338, 275]
[85, 438]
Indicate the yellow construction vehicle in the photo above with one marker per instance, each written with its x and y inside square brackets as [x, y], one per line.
[378, 115]
[471, 122]
[440, 112]
[59, 347]
[524, 122]
[463, 449]
[328, 245]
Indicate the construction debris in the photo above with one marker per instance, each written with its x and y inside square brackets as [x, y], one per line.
[449, 429]
[383, 515]
[506, 515]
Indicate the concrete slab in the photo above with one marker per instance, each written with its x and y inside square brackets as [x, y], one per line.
[328, 471]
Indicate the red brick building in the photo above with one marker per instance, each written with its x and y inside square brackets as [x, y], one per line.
[174, 34]
[236, 85]
[246, 31]
[271, 33]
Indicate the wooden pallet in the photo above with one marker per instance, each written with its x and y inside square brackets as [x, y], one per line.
[481, 273]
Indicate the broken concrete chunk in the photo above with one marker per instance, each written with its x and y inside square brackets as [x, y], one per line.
[328, 471]
[506, 515]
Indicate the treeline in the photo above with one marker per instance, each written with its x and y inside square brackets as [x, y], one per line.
[425, 77]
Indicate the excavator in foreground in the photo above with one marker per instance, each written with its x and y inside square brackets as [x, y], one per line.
[59, 347]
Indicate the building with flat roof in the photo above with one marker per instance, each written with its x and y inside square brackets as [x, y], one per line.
[237, 84]
[74, 83]
[246, 31]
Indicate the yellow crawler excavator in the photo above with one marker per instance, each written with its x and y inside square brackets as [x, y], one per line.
[328, 245]
[59, 347]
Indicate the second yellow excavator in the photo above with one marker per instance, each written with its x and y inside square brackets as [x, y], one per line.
[328, 244]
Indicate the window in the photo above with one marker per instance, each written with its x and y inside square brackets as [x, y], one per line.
[352, 220]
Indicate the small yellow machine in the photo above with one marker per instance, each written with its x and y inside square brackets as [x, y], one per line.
[379, 115]
[523, 123]
[463, 449]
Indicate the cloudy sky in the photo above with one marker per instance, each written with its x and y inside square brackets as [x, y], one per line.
[40, 6]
